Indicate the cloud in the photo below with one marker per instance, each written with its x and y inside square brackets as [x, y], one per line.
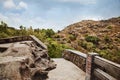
[2, 17]
[8, 4]
[15, 20]
[84, 2]
[22, 5]
[10, 20]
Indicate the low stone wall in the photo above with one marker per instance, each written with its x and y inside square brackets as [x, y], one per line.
[15, 39]
[76, 57]
[23, 38]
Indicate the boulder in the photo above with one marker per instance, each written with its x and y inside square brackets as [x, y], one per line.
[25, 60]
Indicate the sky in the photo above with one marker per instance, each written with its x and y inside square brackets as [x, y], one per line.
[55, 14]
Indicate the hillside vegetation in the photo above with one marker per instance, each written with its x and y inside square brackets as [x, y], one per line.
[45, 35]
[102, 37]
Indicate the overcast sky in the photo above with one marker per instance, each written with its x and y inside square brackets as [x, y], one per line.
[55, 14]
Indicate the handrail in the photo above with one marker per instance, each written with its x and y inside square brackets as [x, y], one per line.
[78, 58]
[96, 68]
[77, 53]
[107, 66]
[99, 74]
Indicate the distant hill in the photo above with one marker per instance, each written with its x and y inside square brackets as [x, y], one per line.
[102, 37]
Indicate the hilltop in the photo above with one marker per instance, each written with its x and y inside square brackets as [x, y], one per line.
[102, 37]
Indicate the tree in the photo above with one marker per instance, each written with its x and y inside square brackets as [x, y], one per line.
[49, 33]
[23, 30]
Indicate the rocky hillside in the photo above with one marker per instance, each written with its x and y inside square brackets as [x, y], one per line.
[86, 36]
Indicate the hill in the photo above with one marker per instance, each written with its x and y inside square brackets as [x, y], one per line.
[102, 37]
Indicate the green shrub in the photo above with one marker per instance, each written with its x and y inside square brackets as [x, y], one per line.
[109, 27]
[107, 39]
[82, 44]
[103, 53]
[56, 36]
[86, 45]
[3, 35]
[55, 49]
[72, 37]
[92, 39]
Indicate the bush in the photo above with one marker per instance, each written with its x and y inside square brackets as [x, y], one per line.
[87, 45]
[109, 27]
[107, 39]
[92, 39]
[103, 53]
[3, 35]
[56, 36]
[55, 49]
[72, 37]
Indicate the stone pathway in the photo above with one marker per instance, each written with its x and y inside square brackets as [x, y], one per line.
[66, 71]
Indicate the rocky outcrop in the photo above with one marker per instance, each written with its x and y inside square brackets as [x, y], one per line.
[25, 60]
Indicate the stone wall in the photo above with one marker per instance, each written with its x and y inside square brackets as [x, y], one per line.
[78, 58]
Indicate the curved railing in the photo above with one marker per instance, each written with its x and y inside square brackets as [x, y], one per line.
[76, 57]
[96, 68]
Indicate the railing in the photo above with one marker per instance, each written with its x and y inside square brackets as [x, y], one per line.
[23, 38]
[96, 68]
[105, 69]
[76, 57]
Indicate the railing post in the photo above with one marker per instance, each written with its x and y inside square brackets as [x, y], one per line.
[89, 66]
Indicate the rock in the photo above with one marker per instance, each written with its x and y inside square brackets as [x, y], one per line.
[25, 61]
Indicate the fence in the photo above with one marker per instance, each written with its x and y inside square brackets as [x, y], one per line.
[96, 68]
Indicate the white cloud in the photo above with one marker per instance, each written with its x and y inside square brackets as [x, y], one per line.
[9, 4]
[10, 20]
[92, 17]
[15, 20]
[84, 2]
[2, 17]
[22, 5]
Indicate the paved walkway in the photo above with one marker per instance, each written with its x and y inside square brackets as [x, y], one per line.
[66, 71]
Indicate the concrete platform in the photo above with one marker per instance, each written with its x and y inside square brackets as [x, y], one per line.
[66, 70]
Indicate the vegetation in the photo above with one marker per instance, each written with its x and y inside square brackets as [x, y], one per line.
[45, 35]
[55, 49]
[72, 37]
[106, 41]
[92, 39]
